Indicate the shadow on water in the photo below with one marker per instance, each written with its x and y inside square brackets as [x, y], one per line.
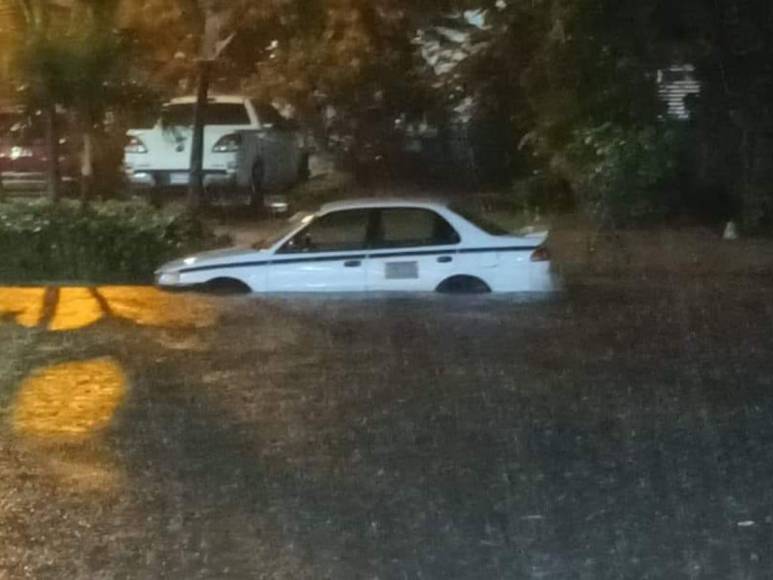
[603, 423]
[320, 470]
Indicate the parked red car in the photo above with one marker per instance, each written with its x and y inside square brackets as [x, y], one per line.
[23, 154]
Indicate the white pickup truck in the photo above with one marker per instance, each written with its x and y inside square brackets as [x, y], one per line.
[160, 157]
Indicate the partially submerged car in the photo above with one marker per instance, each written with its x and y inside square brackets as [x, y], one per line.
[23, 151]
[376, 245]
[159, 157]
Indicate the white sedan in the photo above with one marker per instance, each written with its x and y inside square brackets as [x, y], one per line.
[376, 245]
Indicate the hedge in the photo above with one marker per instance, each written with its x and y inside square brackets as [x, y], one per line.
[110, 242]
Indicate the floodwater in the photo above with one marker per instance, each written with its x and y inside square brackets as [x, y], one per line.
[619, 431]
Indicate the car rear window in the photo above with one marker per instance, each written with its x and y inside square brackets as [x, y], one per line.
[478, 220]
[402, 227]
[181, 114]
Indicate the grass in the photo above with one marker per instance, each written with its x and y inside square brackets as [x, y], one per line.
[623, 431]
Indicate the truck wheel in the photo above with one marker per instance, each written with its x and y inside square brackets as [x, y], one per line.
[256, 185]
[304, 171]
[155, 196]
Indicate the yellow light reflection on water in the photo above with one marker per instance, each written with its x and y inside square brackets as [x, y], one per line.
[149, 306]
[69, 400]
[23, 305]
[76, 308]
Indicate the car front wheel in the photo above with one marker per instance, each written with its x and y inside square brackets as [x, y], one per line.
[226, 287]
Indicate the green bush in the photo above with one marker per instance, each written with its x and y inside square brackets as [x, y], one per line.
[541, 194]
[625, 175]
[107, 242]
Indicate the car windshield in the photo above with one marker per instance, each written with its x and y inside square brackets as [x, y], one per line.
[23, 129]
[478, 220]
[28, 129]
[181, 114]
[273, 235]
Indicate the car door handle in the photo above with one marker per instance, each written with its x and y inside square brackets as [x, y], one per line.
[445, 259]
[352, 263]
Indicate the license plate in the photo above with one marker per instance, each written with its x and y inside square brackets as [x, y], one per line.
[178, 179]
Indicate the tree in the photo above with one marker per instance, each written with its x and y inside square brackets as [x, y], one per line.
[351, 70]
[28, 27]
[71, 55]
[576, 80]
[731, 44]
[94, 65]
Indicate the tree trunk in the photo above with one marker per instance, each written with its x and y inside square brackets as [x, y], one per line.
[87, 166]
[196, 180]
[757, 201]
[52, 153]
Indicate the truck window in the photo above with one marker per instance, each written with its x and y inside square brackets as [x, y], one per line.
[181, 114]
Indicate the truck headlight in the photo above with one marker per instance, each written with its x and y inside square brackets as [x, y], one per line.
[135, 145]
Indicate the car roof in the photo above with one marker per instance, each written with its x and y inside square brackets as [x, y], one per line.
[237, 99]
[373, 202]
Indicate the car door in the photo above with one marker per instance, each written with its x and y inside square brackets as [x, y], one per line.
[414, 249]
[328, 255]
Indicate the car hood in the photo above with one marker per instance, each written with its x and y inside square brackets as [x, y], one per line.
[212, 258]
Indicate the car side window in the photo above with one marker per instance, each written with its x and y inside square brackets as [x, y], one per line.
[335, 232]
[405, 227]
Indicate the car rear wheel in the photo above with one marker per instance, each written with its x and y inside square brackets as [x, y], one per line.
[463, 285]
